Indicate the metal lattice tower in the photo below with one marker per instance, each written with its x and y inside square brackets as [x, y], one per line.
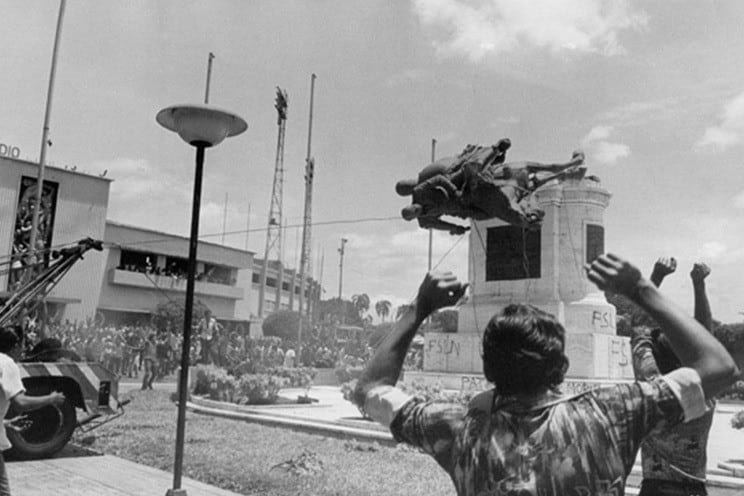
[274, 228]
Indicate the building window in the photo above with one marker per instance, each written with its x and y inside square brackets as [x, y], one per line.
[138, 261]
[271, 282]
[256, 278]
[285, 286]
[512, 253]
[594, 241]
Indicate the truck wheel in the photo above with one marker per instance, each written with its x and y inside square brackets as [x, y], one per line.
[49, 431]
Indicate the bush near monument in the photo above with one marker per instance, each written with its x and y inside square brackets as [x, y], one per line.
[260, 386]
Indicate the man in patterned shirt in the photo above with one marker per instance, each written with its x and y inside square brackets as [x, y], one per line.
[674, 459]
[525, 438]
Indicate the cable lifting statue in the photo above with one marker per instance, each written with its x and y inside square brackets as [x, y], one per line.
[478, 185]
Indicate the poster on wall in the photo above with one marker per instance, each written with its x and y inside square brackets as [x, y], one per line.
[23, 259]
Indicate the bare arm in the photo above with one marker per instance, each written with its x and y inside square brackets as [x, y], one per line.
[24, 403]
[702, 306]
[695, 347]
[437, 291]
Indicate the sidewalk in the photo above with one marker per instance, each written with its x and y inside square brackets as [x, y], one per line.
[97, 475]
[333, 415]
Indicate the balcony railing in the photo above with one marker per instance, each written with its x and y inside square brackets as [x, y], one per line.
[175, 284]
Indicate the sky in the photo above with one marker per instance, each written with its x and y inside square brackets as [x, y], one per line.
[652, 91]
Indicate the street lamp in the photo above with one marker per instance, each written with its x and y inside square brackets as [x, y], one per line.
[201, 126]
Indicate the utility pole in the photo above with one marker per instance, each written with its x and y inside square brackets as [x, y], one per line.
[341, 267]
[224, 220]
[306, 248]
[274, 227]
[433, 152]
[209, 76]
[32, 248]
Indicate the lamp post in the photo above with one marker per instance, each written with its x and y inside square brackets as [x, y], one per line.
[201, 126]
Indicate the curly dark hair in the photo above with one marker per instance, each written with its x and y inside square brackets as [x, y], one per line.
[523, 350]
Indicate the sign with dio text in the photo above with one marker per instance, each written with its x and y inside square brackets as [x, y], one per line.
[9, 151]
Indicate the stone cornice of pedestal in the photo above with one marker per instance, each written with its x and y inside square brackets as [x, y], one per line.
[496, 298]
[572, 191]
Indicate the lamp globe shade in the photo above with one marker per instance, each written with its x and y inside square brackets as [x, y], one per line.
[201, 124]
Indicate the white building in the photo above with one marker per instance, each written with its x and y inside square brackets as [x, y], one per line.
[139, 268]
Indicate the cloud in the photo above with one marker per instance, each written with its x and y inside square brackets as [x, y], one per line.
[713, 250]
[636, 113]
[730, 129]
[597, 146]
[739, 200]
[476, 29]
[406, 77]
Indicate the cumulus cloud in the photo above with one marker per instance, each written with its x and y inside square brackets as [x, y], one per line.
[713, 250]
[596, 144]
[477, 28]
[729, 130]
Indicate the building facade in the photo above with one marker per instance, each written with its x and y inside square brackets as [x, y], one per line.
[139, 268]
[73, 207]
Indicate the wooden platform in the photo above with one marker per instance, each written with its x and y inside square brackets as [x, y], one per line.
[102, 475]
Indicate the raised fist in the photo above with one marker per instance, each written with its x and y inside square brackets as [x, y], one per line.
[611, 273]
[699, 272]
[665, 266]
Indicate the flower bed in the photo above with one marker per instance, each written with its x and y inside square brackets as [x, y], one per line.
[247, 386]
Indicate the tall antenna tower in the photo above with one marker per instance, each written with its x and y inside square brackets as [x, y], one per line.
[274, 228]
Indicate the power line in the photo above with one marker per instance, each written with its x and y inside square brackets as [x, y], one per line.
[243, 231]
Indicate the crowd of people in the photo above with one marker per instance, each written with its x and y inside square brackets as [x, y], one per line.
[142, 351]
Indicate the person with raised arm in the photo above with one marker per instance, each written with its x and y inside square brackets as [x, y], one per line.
[523, 436]
[673, 459]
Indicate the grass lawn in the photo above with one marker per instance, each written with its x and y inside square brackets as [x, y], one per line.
[250, 459]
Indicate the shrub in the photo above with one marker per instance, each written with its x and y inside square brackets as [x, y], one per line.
[259, 389]
[245, 367]
[300, 377]
[737, 421]
[204, 376]
[735, 392]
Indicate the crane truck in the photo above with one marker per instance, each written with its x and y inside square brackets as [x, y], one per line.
[89, 388]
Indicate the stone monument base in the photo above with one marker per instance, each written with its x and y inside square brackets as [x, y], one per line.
[477, 383]
[591, 355]
[594, 355]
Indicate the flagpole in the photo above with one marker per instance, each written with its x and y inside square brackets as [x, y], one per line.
[45, 135]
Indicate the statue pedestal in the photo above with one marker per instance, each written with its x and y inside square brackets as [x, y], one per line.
[545, 269]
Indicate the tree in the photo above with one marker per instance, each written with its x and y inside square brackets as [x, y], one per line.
[382, 309]
[168, 315]
[338, 311]
[284, 324]
[402, 309]
[361, 303]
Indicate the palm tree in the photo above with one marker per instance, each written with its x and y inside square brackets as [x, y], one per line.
[382, 308]
[361, 303]
[402, 309]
